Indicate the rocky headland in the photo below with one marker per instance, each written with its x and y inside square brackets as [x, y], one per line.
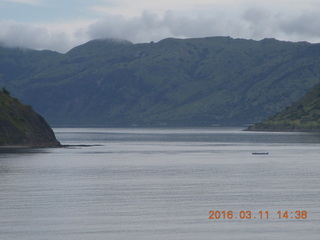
[303, 116]
[20, 125]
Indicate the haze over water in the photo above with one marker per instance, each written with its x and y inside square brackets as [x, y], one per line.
[161, 184]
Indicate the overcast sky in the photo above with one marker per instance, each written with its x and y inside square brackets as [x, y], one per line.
[62, 24]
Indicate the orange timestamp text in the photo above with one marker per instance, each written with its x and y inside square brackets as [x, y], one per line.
[247, 214]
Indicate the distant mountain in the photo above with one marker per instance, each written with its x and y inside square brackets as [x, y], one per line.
[175, 82]
[304, 115]
[21, 126]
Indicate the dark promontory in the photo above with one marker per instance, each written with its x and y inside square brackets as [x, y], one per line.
[304, 115]
[20, 125]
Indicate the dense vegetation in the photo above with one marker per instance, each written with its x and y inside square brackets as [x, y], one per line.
[191, 82]
[20, 125]
[304, 115]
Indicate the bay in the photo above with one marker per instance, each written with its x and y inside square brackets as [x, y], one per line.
[149, 183]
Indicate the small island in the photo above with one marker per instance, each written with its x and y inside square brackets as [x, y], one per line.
[21, 126]
[303, 116]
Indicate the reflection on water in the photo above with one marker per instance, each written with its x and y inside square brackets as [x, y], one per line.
[21, 150]
[161, 184]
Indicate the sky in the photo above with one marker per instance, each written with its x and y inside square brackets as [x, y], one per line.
[60, 25]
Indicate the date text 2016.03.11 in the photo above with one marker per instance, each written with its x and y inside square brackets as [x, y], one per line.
[216, 215]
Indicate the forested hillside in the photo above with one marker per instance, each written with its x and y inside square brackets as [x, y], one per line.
[304, 115]
[175, 82]
[20, 125]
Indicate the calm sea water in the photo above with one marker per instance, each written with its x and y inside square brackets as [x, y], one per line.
[162, 184]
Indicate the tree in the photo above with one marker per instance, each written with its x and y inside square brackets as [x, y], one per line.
[5, 91]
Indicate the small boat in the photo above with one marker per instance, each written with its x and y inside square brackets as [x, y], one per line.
[260, 153]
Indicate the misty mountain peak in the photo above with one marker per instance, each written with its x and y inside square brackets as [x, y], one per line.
[99, 44]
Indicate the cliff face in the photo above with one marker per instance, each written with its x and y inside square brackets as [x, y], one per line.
[20, 125]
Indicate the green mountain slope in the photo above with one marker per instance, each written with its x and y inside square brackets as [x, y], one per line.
[304, 115]
[191, 82]
[20, 125]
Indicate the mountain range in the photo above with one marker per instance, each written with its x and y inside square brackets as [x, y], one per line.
[174, 82]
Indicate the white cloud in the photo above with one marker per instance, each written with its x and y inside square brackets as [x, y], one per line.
[253, 22]
[146, 20]
[305, 24]
[130, 8]
[292, 26]
[150, 26]
[59, 36]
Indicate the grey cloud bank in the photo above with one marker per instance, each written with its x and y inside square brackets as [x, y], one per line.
[250, 23]
[255, 23]
[14, 34]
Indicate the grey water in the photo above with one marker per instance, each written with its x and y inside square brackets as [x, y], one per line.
[135, 183]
